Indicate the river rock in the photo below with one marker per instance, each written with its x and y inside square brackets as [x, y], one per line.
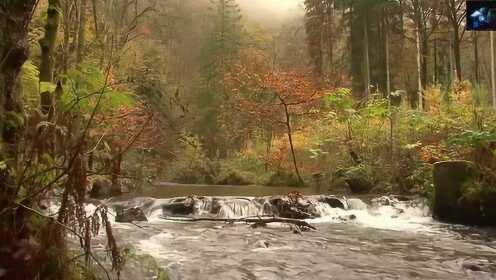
[129, 215]
[101, 188]
[449, 176]
[334, 202]
[181, 207]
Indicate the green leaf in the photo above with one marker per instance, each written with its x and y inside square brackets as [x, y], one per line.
[47, 87]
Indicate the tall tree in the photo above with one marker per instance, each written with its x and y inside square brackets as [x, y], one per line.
[221, 45]
[15, 17]
[455, 13]
[48, 44]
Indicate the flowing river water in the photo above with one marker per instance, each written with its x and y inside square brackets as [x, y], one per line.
[371, 239]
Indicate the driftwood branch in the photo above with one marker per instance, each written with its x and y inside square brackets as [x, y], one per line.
[256, 221]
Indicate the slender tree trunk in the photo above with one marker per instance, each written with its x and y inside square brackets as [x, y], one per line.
[47, 44]
[457, 54]
[493, 81]
[81, 33]
[388, 89]
[116, 164]
[476, 57]
[435, 72]
[367, 58]
[424, 49]
[419, 72]
[290, 138]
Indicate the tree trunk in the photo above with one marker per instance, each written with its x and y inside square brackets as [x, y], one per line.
[435, 77]
[476, 57]
[424, 50]
[116, 172]
[15, 17]
[367, 58]
[14, 47]
[457, 54]
[419, 72]
[290, 137]
[493, 81]
[81, 33]
[47, 45]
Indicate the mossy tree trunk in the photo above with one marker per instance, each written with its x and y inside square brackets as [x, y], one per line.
[15, 16]
[47, 45]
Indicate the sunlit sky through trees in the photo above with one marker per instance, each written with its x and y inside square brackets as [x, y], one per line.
[270, 11]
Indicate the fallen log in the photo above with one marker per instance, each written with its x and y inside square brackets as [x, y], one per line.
[257, 221]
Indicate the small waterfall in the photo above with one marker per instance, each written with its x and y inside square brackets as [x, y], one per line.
[239, 208]
[386, 212]
[325, 210]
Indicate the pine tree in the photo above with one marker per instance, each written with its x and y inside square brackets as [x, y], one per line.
[223, 40]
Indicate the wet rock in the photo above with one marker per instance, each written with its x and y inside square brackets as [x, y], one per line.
[101, 188]
[479, 266]
[347, 218]
[449, 177]
[263, 244]
[489, 207]
[180, 207]
[130, 215]
[292, 206]
[334, 202]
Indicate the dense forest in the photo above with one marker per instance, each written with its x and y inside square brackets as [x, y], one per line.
[128, 93]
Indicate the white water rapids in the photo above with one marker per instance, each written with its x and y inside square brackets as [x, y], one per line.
[381, 239]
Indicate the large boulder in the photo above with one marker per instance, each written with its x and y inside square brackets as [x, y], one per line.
[180, 207]
[449, 178]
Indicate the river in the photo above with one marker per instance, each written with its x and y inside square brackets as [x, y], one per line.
[384, 240]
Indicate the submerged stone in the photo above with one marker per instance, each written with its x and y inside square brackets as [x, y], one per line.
[129, 215]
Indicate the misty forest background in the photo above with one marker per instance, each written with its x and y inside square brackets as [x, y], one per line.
[230, 92]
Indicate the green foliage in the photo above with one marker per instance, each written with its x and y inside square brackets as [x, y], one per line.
[29, 84]
[472, 190]
[340, 99]
[84, 86]
[473, 139]
[14, 120]
[283, 179]
[247, 167]
[191, 166]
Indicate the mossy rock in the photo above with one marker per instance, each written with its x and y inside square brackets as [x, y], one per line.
[449, 179]
[488, 206]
